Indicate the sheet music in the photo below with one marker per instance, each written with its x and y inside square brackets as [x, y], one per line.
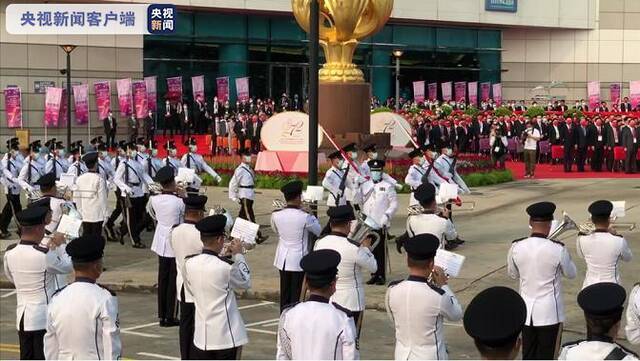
[69, 226]
[68, 180]
[244, 230]
[450, 262]
[448, 191]
[185, 174]
[314, 193]
[618, 209]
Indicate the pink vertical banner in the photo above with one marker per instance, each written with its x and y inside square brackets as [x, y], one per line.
[124, 97]
[63, 107]
[446, 91]
[634, 93]
[174, 89]
[418, 91]
[460, 91]
[593, 92]
[197, 84]
[485, 91]
[497, 93]
[140, 98]
[242, 88]
[81, 103]
[473, 93]
[433, 91]
[151, 84]
[222, 88]
[615, 90]
[102, 89]
[52, 101]
[13, 107]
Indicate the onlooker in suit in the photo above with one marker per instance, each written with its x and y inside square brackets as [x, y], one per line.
[625, 106]
[568, 135]
[149, 126]
[630, 143]
[596, 136]
[612, 140]
[110, 127]
[581, 145]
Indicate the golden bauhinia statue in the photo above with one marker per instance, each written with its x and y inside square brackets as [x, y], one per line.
[342, 24]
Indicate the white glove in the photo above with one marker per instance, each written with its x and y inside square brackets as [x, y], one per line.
[235, 200]
[359, 180]
[399, 186]
[218, 179]
[384, 220]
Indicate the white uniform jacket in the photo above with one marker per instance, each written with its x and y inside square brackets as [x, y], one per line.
[293, 225]
[540, 263]
[173, 163]
[597, 349]
[380, 202]
[417, 310]
[354, 260]
[444, 165]
[366, 172]
[242, 184]
[196, 162]
[316, 330]
[86, 331]
[29, 174]
[56, 213]
[11, 169]
[431, 223]
[152, 165]
[331, 182]
[130, 178]
[633, 316]
[168, 210]
[352, 192]
[32, 269]
[212, 279]
[77, 169]
[91, 197]
[415, 177]
[185, 241]
[603, 251]
[57, 165]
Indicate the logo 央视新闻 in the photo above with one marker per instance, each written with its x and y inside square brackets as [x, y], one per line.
[161, 19]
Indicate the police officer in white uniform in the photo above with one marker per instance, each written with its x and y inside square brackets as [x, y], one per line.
[171, 159]
[420, 172]
[77, 167]
[336, 180]
[130, 178]
[82, 318]
[242, 190]
[380, 203]
[185, 241]
[494, 319]
[317, 329]
[152, 164]
[212, 278]
[446, 166]
[292, 225]
[632, 328]
[372, 153]
[115, 163]
[11, 165]
[602, 250]
[195, 161]
[352, 193]
[540, 263]
[32, 269]
[603, 304]
[91, 196]
[355, 258]
[168, 210]
[431, 220]
[57, 162]
[418, 305]
[31, 170]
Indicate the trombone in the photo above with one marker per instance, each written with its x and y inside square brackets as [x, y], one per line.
[418, 209]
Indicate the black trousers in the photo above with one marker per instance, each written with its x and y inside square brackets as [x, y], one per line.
[568, 159]
[135, 216]
[228, 354]
[91, 228]
[170, 124]
[8, 211]
[380, 254]
[630, 165]
[581, 155]
[187, 324]
[541, 342]
[596, 159]
[117, 211]
[31, 343]
[111, 138]
[167, 288]
[241, 140]
[611, 166]
[290, 287]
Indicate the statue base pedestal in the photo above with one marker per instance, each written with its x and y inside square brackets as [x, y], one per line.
[344, 108]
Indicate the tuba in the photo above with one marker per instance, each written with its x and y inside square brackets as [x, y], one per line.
[364, 229]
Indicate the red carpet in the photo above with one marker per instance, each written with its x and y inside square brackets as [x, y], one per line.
[548, 171]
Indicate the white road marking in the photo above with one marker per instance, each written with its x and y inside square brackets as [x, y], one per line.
[9, 294]
[265, 303]
[139, 326]
[262, 322]
[270, 324]
[158, 356]
[262, 331]
[142, 334]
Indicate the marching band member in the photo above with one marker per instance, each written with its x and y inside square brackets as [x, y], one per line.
[418, 305]
[185, 241]
[316, 329]
[171, 159]
[89, 328]
[11, 166]
[242, 190]
[430, 221]
[32, 269]
[31, 170]
[602, 304]
[494, 319]
[77, 167]
[380, 204]
[420, 172]
[193, 160]
[355, 258]
[168, 210]
[212, 279]
[47, 184]
[91, 197]
[539, 263]
[120, 156]
[632, 329]
[57, 162]
[130, 176]
[602, 250]
[292, 225]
